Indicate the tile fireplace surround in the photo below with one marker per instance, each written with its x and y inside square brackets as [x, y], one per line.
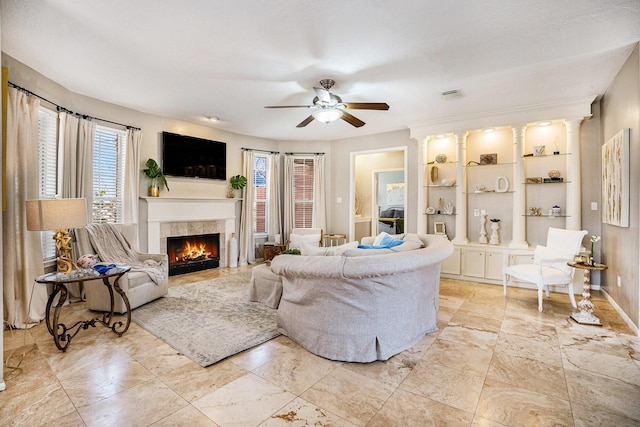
[162, 217]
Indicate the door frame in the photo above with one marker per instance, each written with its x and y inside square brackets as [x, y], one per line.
[352, 182]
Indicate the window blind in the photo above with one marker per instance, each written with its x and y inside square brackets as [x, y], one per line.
[303, 172]
[108, 174]
[261, 194]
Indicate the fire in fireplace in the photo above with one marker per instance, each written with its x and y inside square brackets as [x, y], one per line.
[193, 253]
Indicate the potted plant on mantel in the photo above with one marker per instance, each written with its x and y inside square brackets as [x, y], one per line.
[154, 172]
[236, 182]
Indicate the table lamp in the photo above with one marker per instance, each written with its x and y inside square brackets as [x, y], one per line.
[58, 215]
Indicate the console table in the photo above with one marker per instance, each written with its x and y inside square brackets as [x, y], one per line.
[585, 315]
[62, 334]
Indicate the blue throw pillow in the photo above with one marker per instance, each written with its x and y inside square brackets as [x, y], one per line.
[387, 242]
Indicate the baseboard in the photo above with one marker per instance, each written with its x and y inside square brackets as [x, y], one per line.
[622, 314]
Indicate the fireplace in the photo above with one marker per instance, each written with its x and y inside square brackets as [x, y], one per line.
[193, 253]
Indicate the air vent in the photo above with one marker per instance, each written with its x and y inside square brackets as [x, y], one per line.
[450, 94]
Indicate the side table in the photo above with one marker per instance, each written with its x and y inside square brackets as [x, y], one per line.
[334, 239]
[62, 334]
[585, 315]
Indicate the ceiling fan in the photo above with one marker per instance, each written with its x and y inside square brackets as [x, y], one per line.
[329, 107]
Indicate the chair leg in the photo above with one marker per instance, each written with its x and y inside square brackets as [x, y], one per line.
[504, 283]
[540, 299]
[571, 295]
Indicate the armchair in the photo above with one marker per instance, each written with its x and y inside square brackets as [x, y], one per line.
[300, 236]
[549, 263]
[148, 278]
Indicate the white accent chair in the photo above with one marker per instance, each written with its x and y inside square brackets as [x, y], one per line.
[309, 236]
[138, 286]
[549, 263]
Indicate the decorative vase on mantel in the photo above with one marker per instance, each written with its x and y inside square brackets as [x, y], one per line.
[154, 189]
[231, 193]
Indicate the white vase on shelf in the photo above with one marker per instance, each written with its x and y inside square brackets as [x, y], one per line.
[483, 232]
[495, 236]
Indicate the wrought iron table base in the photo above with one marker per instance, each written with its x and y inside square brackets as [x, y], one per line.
[62, 334]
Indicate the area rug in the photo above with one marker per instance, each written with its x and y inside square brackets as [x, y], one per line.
[210, 320]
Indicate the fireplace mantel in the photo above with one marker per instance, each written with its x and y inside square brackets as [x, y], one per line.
[157, 210]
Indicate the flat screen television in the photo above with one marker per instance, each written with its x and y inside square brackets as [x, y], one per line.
[193, 157]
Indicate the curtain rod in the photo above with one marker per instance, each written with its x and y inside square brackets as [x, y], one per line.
[65, 110]
[301, 154]
[262, 151]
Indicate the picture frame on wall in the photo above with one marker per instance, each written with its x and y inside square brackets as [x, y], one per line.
[439, 228]
[615, 180]
[489, 159]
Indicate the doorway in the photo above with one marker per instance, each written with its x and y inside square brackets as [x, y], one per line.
[389, 202]
[371, 171]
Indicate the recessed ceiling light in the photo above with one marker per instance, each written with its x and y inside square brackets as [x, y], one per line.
[212, 119]
[487, 130]
[440, 136]
[544, 123]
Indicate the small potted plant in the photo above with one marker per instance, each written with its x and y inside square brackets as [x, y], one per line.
[236, 182]
[154, 172]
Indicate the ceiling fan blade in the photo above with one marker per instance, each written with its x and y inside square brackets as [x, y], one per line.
[367, 105]
[322, 94]
[289, 106]
[305, 122]
[352, 120]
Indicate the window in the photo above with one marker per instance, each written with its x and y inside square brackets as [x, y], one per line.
[261, 194]
[47, 160]
[109, 150]
[303, 192]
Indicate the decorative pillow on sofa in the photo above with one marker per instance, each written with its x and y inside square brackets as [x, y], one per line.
[309, 250]
[383, 241]
[408, 245]
[411, 242]
[296, 240]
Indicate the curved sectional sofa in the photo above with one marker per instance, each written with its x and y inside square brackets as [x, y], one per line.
[365, 305]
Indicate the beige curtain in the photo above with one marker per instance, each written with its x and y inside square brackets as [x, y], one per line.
[75, 158]
[319, 204]
[24, 300]
[246, 245]
[288, 208]
[132, 176]
[75, 163]
[275, 217]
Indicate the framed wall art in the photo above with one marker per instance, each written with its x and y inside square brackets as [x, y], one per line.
[439, 228]
[489, 159]
[615, 180]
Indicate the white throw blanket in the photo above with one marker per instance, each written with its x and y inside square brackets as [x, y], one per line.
[112, 247]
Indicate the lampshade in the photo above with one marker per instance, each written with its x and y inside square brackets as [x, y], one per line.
[55, 214]
[327, 115]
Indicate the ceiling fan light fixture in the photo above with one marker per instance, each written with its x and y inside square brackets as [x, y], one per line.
[327, 115]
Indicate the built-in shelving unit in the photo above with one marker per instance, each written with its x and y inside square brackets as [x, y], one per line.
[488, 174]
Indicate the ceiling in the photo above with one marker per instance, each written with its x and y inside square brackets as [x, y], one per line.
[190, 59]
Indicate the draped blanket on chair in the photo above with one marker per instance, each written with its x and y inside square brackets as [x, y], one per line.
[112, 247]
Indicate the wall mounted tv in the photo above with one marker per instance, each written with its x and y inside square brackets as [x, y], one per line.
[193, 157]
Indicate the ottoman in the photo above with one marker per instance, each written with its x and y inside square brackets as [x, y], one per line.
[265, 286]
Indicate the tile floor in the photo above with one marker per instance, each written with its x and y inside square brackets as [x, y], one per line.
[495, 361]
